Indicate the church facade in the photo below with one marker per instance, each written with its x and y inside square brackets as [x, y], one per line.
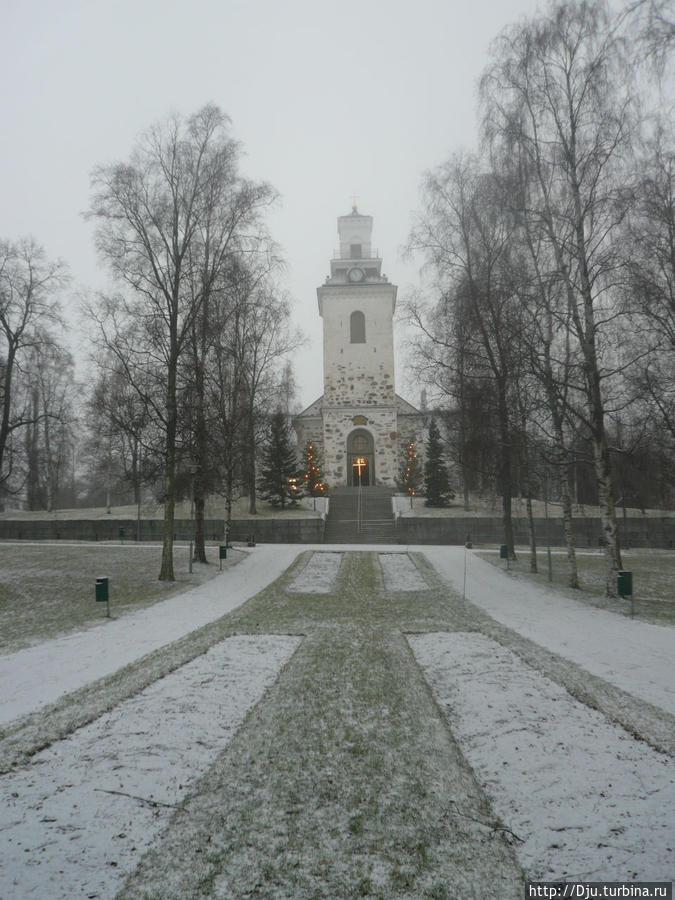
[360, 425]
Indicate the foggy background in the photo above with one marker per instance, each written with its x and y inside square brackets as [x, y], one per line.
[330, 101]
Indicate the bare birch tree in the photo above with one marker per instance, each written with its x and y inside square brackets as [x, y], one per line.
[464, 233]
[50, 431]
[649, 289]
[559, 89]
[166, 221]
[29, 283]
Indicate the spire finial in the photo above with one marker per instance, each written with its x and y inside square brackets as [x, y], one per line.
[354, 207]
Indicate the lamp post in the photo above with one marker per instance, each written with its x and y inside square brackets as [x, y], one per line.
[192, 468]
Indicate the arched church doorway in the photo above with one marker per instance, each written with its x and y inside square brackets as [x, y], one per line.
[360, 458]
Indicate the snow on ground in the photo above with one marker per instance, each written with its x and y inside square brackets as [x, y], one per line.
[635, 656]
[545, 769]
[589, 801]
[400, 573]
[318, 576]
[75, 822]
[36, 676]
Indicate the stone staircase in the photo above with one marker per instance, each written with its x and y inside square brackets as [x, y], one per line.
[377, 519]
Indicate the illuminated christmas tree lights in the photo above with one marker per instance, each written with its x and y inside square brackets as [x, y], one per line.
[411, 476]
[311, 472]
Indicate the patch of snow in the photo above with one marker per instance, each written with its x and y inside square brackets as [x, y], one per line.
[318, 576]
[75, 822]
[36, 676]
[400, 573]
[633, 655]
[588, 800]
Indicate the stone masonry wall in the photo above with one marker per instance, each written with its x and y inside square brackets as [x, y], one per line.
[489, 530]
[309, 430]
[358, 373]
[365, 385]
[338, 425]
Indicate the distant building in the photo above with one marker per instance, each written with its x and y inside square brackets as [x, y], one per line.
[361, 426]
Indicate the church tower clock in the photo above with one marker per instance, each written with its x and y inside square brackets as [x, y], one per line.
[356, 421]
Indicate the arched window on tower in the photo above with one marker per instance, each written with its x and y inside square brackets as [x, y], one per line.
[357, 328]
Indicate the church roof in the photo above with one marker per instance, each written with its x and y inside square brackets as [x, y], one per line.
[313, 410]
[404, 408]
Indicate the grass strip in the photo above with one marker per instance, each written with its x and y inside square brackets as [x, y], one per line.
[344, 781]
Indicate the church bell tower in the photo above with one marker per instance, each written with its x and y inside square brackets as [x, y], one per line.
[357, 305]
[356, 421]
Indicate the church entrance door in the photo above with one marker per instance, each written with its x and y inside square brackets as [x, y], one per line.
[360, 458]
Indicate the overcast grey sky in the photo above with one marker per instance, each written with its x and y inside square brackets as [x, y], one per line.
[329, 100]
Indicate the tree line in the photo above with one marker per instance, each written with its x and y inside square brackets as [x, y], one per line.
[547, 326]
[188, 350]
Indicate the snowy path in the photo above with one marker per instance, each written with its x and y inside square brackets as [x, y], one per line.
[37, 676]
[635, 656]
[587, 799]
[76, 821]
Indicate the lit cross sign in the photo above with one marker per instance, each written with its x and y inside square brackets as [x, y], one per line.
[359, 464]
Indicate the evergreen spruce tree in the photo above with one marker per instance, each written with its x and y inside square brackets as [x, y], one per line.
[411, 475]
[278, 474]
[311, 473]
[436, 481]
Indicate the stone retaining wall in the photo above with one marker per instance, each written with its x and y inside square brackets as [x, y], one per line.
[656, 532]
[289, 531]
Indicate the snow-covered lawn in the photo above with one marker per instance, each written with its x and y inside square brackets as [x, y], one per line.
[318, 576]
[653, 579]
[636, 656]
[39, 675]
[400, 573]
[47, 589]
[344, 780]
[482, 506]
[75, 822]
[588, 801]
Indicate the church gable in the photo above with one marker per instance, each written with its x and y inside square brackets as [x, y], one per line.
[312, 411]
[403, 408]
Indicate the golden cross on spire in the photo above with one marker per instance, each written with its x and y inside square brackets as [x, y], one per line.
[354, 199]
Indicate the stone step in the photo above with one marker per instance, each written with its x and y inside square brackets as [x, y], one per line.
[362, 539]
[370, 532]
[372, 489]
[377, 521]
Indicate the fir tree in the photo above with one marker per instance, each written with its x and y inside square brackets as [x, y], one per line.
[411, 475]
[278, 475]
[436, 480]
[312, 474]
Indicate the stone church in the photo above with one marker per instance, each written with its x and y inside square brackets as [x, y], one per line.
[360, 425]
